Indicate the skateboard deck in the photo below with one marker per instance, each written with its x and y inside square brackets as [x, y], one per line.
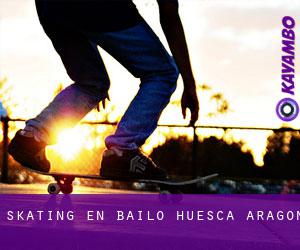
[64, 181]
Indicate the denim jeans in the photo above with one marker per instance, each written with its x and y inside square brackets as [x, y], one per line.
[140, 51]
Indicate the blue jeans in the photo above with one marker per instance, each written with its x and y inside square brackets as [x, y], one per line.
[140, 51]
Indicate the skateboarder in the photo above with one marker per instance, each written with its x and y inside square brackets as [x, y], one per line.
[75, 29]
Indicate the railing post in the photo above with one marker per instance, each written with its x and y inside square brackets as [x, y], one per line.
[195, 166]
[4, 170]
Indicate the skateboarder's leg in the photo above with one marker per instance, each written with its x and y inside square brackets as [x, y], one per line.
[141, 52]
[86, 68]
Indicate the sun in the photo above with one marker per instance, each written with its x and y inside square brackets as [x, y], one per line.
[70, 142]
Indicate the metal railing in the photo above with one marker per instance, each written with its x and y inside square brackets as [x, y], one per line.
[6, 120]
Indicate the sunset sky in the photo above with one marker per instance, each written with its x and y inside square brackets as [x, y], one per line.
[235, 47]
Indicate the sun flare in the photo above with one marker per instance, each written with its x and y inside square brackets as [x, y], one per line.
[69, 143]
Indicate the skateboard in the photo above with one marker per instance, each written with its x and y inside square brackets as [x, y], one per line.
[64, 181]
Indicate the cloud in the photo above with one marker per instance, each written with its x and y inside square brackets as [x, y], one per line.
[248, 40]
[255, 4]
[14, 8]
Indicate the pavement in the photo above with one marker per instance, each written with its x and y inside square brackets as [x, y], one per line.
[42, 189]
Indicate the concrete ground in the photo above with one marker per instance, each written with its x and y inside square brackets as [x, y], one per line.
[42, 189]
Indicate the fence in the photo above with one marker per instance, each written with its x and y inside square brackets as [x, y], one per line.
[92, 156]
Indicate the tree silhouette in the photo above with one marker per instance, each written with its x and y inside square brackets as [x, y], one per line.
[283, 156]
[220, 104]
[175, 157]
[213, 156]
[218, 156]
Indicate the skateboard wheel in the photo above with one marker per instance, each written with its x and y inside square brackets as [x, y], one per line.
[53, 188]
[66, 189]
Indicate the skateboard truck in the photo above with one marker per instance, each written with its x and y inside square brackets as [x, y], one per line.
[63, 184]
